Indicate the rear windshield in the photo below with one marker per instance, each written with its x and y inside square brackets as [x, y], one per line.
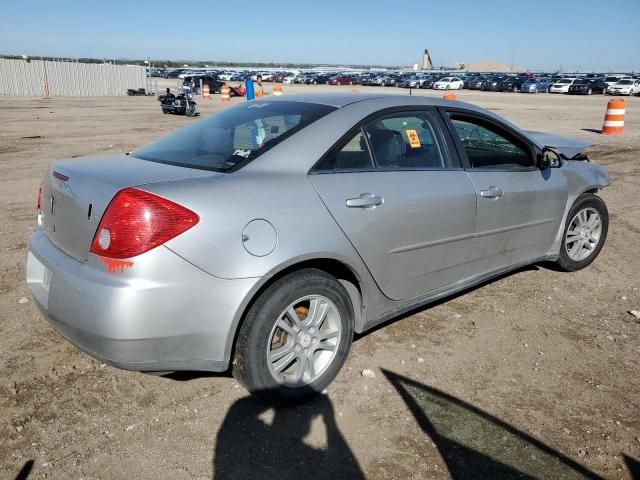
[234, 137]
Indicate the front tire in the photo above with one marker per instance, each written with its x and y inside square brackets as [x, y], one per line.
[294, 338]
[191, 111]
[584, 233]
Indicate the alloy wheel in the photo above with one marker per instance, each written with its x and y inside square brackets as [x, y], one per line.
[304, 341]
[583, 234]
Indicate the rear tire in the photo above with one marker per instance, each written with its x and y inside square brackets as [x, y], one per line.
[588, 220]
[312, 360]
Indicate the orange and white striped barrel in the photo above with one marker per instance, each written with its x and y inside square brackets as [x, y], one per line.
[45, 90]
[206, 93]
[614, 118]
[225, 93]
[449, 96]
[277, 90]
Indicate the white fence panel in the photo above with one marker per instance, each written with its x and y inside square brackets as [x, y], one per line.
[22, 78]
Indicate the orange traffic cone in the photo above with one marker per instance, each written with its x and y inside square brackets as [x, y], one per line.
[614, 117]
[225, 93]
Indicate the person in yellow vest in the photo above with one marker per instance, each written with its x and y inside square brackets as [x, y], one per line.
[257, 87]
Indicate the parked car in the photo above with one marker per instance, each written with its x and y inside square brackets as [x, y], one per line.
[626, 86]
[240, 77]
[342, 80]
[428, 81]
[377, 81]
[391, 80]
[263, 236]
[562, 85]
[411, 82]
[477, 83]
[366, 79]
[266, 76]
[448, 83]
[469, 79]
[492, 84]
[225, 76]
[194, 82]
[321, 79]
[586, 86]
[511, 84]
[309, 78]
[611, 80]
[536, 85]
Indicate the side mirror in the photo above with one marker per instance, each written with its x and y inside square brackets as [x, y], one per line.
[549, 158]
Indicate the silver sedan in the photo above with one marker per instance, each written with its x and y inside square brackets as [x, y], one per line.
[261, 238]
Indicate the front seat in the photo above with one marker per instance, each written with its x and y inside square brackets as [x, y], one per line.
[389, 147]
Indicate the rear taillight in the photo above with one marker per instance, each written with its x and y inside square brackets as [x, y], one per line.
[39, 204]
[136, 222]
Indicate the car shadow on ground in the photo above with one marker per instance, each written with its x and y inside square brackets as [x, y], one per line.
[258, 441]
[633, 466]
[475, 445]
[24, 472]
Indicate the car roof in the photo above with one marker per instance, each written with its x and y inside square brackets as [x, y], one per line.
[386, 100]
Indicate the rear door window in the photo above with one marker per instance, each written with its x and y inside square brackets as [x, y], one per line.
[408, 140]
[351, 155]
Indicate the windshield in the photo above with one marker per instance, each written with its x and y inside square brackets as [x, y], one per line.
[581, 82]
[612, 79]
[625, 82]
[564, 81]
[233, 137]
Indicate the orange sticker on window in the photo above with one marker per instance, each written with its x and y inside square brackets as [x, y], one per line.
[414, 140]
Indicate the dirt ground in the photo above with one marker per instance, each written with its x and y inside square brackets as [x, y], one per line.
[534, 375]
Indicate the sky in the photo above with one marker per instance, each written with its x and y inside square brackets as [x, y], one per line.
[583, 35]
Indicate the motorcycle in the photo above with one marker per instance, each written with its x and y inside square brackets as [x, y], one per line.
[181, 104]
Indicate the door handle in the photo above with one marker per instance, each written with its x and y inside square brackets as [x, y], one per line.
[365, 200]
[492, 192]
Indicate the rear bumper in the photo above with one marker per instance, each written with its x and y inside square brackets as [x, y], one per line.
[160, 314]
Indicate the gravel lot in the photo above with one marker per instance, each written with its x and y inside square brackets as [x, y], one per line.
[534, 375]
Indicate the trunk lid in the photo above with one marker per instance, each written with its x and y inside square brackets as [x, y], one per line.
[76, 192]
